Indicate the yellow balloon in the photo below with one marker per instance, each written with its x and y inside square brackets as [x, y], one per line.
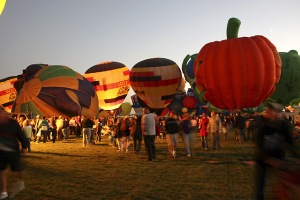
[2, 4]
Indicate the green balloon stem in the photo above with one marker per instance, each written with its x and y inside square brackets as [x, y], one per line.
[293, 52]
[233, 26]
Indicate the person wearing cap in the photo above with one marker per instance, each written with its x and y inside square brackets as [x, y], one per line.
[10, 136]
[272, 135]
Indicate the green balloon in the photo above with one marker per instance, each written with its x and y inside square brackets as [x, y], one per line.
[288, 87]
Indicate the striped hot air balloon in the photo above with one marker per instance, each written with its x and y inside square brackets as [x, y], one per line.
[8, 93]
[111, 83]
[155, 81]
[57, 90]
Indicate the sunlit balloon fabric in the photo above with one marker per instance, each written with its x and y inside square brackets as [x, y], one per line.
[155, 81]
[2, 4]
[8, 93]
[57, 90]
[111, 83]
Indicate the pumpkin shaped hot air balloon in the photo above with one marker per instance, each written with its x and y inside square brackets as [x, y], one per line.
[155, 81]
[8, 93]
[111, 82]
[57, 90]
[237, 72]
[288, 87]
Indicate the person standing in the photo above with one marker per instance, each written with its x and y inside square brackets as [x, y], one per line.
[148, 130]
[52, 124]
[59, 127]
[185, 126]
[65, 129]
[273, 136]
[137, 134]
[124, 133]
[203, 123]
[27, 129]
[215, 128]
[87, 125]
[36, 127]
[172, 133]
[10, 136]
[72, 124]
[240, 126]
[43, 126]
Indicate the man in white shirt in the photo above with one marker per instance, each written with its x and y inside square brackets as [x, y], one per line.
[148, 130]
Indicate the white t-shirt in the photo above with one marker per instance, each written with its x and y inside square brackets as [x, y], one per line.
[149, 121]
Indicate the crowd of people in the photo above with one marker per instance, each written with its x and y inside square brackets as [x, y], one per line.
[148, 128]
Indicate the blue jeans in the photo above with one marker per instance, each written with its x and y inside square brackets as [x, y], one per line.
[149, 141]
[188, 142]
[216, 140]
[204, 141]
[241, 134]
[86, 135]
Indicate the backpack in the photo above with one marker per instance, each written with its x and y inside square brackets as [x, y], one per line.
[185, 126]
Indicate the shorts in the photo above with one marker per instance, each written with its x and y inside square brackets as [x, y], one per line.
[172, 139]
[11, 159]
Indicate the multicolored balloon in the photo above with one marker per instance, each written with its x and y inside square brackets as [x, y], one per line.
[111, 82]
[155, 81]
[8, 93]
[288, 87]
[188, 72]
[237, 72]
[57, 90]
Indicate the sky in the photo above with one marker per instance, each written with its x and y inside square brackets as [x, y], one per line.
[80, 34]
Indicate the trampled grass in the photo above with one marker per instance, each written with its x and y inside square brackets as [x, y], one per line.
[67, 170]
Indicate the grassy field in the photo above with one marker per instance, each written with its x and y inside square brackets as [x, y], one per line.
[67, 170]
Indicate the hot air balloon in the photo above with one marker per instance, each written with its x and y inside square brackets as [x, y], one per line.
[237, 72]
[2, 5]
[8, 93]
[155, 81]
[125, 108]
[188, 72]
[57, 90]
[288, 87]
[111, 82]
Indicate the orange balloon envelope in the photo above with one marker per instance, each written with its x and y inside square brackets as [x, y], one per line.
[237, 72]
[155, 81]
[111, 82]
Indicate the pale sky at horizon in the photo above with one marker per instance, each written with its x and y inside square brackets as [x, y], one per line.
[80, 34]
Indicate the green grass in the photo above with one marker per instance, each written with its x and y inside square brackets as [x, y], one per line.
[66, 170]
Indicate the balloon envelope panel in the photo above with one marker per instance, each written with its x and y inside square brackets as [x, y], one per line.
[8, 93]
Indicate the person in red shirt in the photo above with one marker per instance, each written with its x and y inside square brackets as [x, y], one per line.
[203, 122]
